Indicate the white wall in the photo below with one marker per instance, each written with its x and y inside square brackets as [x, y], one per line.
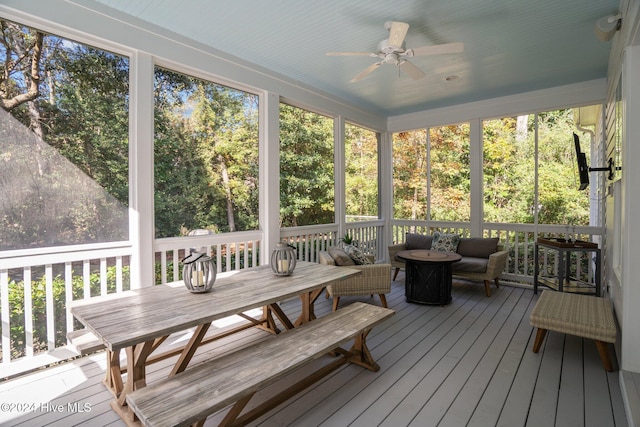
[631, 212]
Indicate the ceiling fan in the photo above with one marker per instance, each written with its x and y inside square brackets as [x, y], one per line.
[392, 51]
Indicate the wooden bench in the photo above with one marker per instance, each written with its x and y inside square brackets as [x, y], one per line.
[581, 315]
[84, 342]
[190, 396]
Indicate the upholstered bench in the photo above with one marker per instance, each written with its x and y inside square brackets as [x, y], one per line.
[581, 315]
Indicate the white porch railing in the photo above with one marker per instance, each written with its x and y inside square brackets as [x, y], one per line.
[37, 285]
[519, 240]
[230, 251]
[309, 240]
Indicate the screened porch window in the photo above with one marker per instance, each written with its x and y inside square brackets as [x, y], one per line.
[64, 145]
[306, 167]
[361, 170]
[206, 156]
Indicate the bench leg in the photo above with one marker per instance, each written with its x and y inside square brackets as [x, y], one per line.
[395, 274]
[539, 338]
[603, 350]
[335, 303]
[361, 355]
[235, 411]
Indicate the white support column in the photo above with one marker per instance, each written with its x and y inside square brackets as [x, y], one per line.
[339, 175]
[269, 175]
[385, 154]
[141, 209]
[477, 187]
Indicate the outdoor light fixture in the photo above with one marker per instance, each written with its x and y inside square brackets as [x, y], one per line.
[606, 27]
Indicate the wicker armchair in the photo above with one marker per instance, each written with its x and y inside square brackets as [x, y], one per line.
[374, 279]
[395, 263]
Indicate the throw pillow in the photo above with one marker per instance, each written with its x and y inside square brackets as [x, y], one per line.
[444, 242]
[340, 256]
[357, 255]
[477, 247]
[417, 241]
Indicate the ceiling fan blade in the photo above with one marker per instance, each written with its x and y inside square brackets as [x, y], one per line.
[350, 54]
[397, 33]
[414, 72]
[438, 49]
[366, 72]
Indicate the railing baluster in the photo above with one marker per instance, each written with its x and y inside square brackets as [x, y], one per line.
[175, 259]
[6, 316]
[50, 304]
[68, 293]
[163, 267]
[86, 278]
[28, 312]
[103, 276]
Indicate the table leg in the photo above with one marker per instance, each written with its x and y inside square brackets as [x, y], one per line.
[267, 322]
[136, 378]
[308, 300]
[190, 349]
[113, 377]
[280, 314]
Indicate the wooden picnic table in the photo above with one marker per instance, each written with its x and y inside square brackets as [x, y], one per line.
[138, 321]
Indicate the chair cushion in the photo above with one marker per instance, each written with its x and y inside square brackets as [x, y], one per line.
[445, 242]
[340, 256]
[417, 241]
[477, 247]
[470, 265]
[358, 257]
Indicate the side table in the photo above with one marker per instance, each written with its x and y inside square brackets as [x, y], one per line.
[563, 282]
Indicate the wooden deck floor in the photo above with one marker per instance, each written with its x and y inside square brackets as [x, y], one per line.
[468, 363]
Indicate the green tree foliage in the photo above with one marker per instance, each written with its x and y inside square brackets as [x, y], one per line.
[66, 180]
[410, 175]
[206, 156]
[361, 170]
[306, 168]
[509, 152]
[450, 173]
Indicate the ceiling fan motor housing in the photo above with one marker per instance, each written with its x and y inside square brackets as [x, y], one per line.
[386, 47]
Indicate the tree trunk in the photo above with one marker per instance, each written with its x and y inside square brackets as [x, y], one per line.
[227, 192]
